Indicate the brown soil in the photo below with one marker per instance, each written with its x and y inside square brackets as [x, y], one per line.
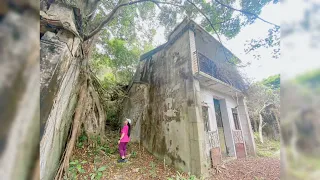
[250, 169]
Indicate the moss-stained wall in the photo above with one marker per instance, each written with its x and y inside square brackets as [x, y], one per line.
[166, 119]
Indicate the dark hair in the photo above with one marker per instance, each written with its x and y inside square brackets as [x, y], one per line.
[129, 125]
[129, 129]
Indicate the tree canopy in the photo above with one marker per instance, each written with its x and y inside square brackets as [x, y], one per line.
[128, 28]
[272, 82]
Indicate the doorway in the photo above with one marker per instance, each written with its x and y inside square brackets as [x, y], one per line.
[224, 151]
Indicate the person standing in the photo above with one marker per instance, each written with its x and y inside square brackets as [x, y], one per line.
[124, 139]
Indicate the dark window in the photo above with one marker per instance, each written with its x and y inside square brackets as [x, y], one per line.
[205, 117]
[218, 113]
[235, 118]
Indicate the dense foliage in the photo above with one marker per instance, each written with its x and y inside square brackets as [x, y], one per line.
[272, 82]
[264, 106]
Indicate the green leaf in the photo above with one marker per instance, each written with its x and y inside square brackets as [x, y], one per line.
[92, 176]
[73, 163]
[99, 175]
[102, 168]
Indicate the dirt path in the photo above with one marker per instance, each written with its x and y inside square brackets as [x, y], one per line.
[250, 169]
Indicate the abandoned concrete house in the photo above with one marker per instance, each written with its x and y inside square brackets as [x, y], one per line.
[187, 102]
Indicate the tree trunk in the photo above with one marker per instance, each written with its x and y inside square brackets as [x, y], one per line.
[260, 128]
[76, 126]
[278, 125]
[255, 123]
[19, 89]
[278, 122]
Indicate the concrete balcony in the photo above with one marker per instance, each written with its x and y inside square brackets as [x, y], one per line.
[215, 77]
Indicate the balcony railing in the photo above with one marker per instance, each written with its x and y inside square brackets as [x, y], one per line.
[225, 73]
[237, 136]
[206, 65]
[213, 137]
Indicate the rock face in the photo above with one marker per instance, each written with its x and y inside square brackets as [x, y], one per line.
[163, 107]
[60, 63]
[19, 92]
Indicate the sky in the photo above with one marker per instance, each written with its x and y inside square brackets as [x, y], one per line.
[266, 65]
[300, 50]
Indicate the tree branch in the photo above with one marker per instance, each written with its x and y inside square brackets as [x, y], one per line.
[116, 8]
[109, 18]
[245, 12]
[264, 124]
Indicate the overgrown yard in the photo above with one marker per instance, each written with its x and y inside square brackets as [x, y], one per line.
[99, 161]
[270, 147]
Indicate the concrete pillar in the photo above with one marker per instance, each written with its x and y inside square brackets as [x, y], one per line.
[226, 120]
[246, 127]
[199, 165]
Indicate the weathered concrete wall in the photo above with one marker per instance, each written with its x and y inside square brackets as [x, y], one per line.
[178, 29]
[169, 112]
[59, 66]
[227, 128]
[197, 134]
[209, 46]
[136, 108]
[165, 132]
[246, 127]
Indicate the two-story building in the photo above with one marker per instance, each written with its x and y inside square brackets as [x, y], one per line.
[187, 102]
